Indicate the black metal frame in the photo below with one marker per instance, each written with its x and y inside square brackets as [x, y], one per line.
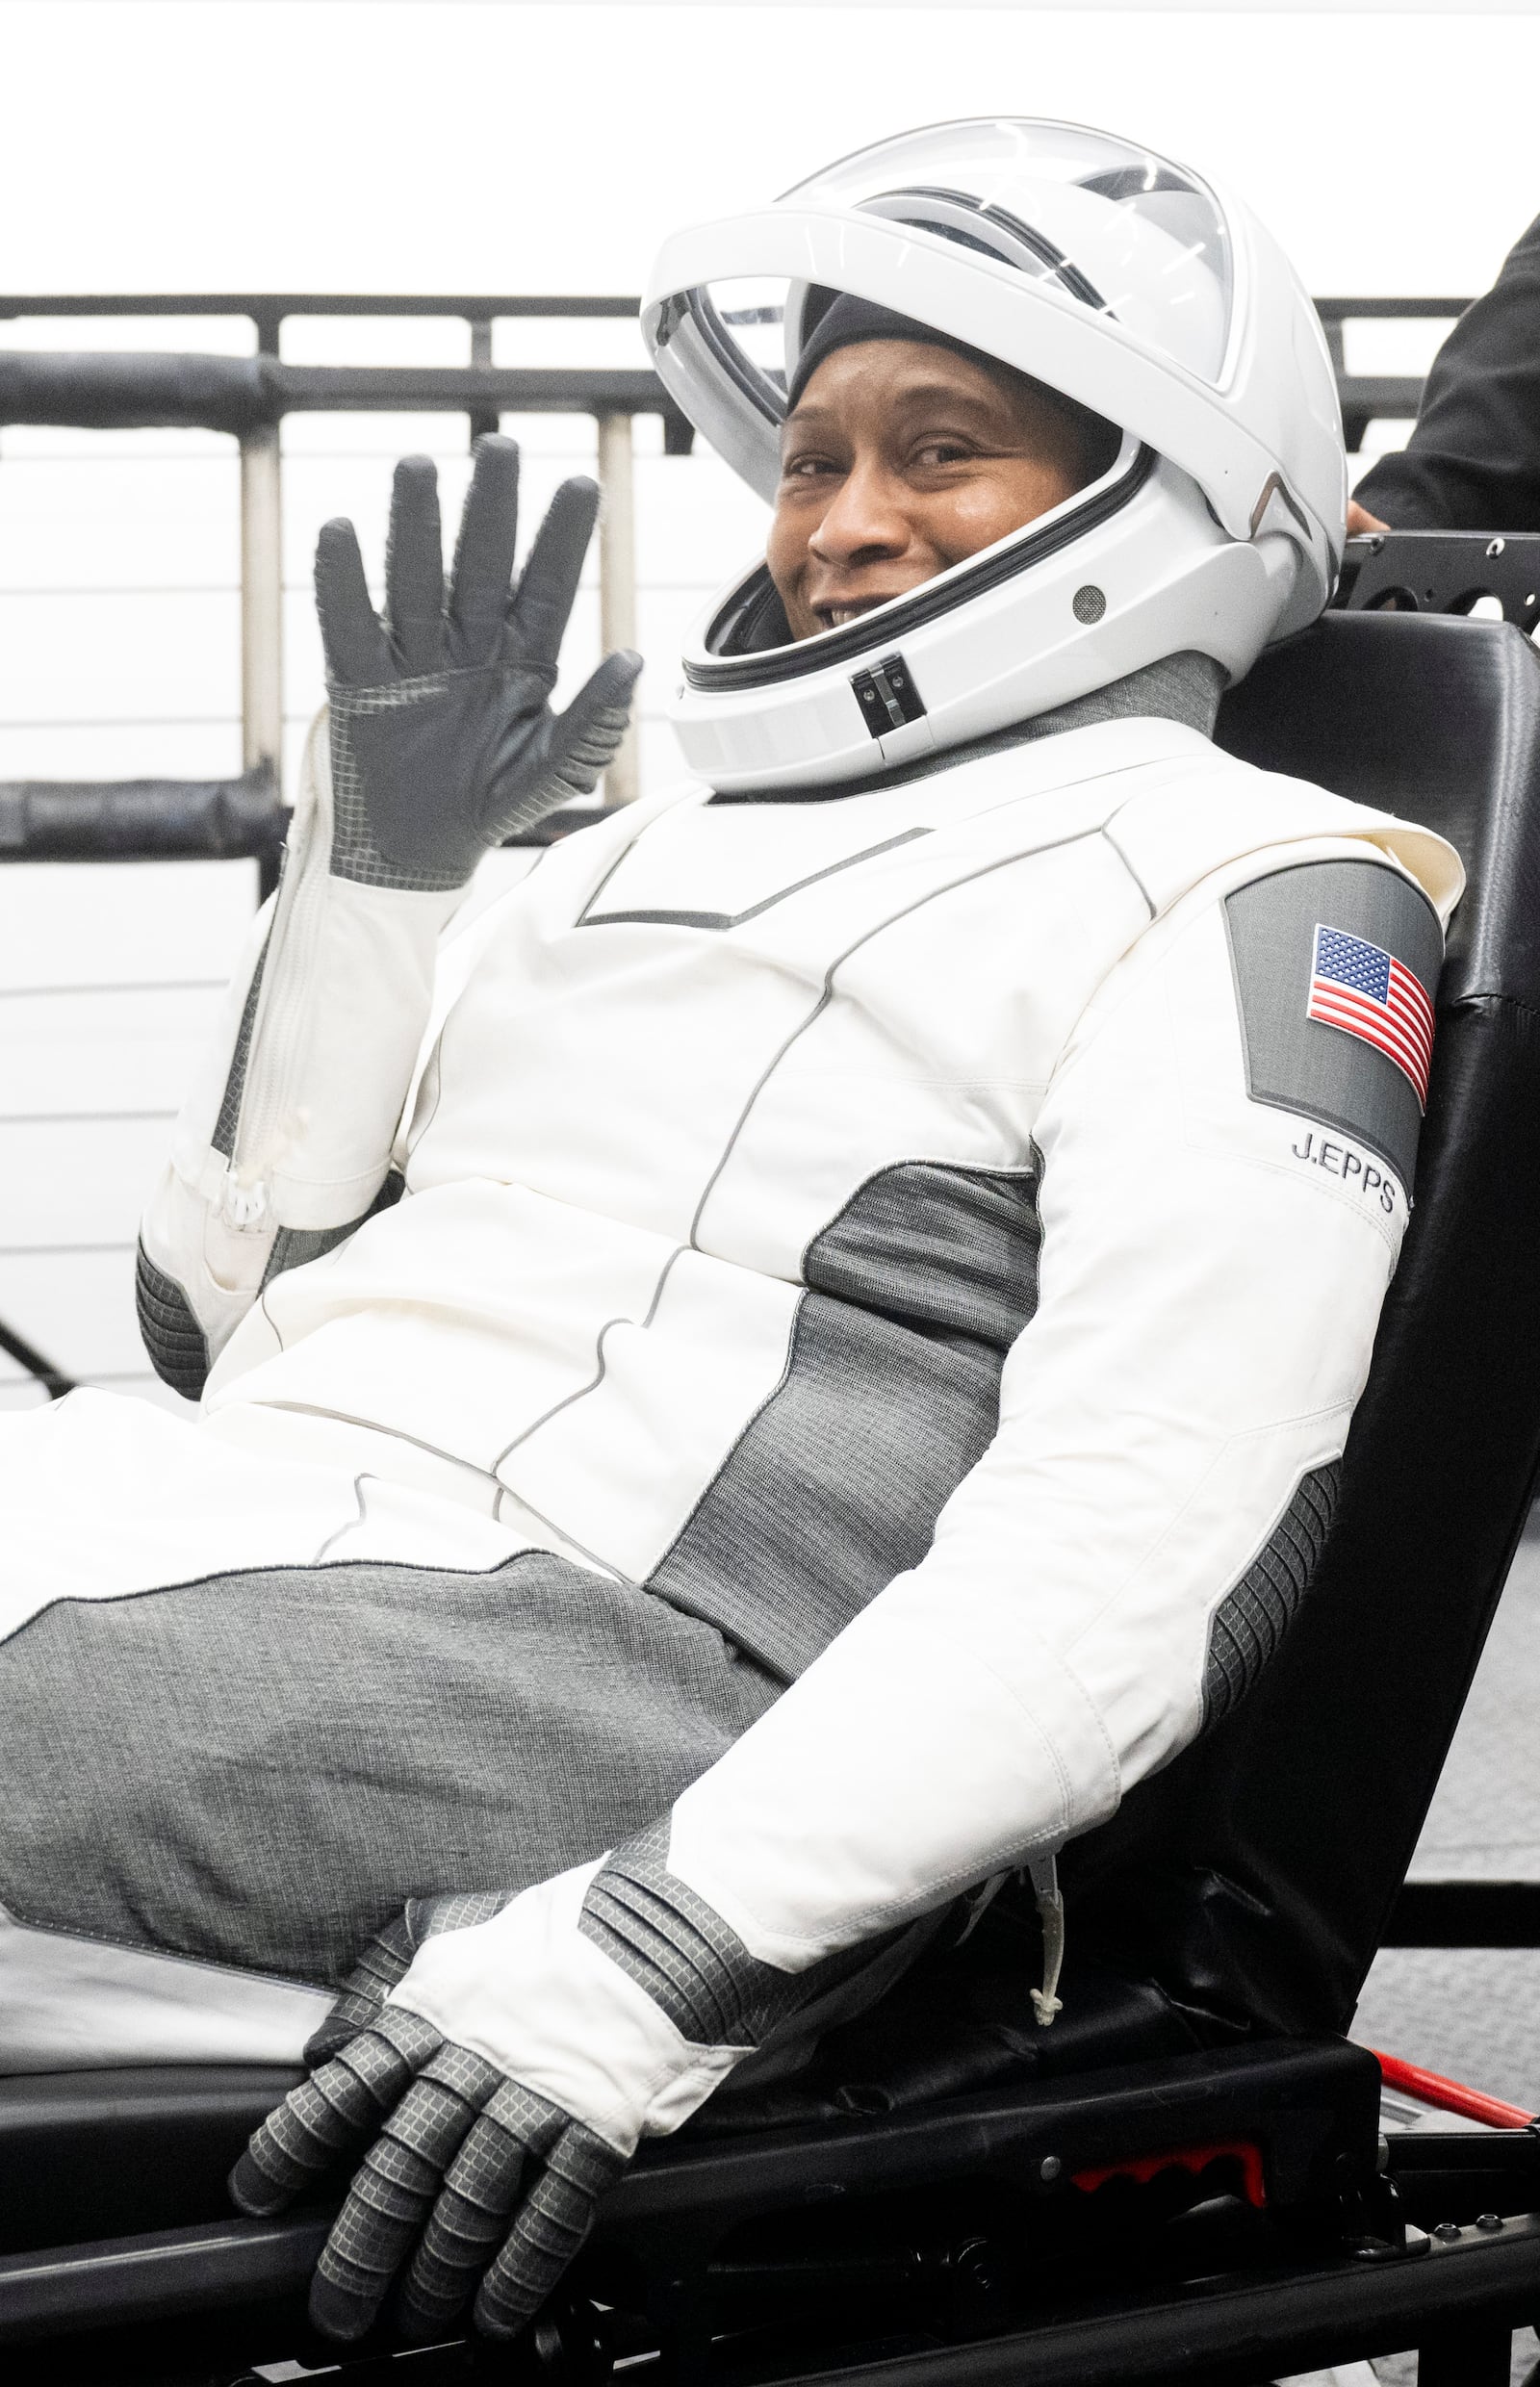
[1220, 2218]
[1444, 572]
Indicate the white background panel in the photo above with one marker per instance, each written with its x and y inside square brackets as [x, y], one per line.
[104, 924]
[74, 1182]
[78, 1308]
[102, 655]
[133, 1051]
[108, 749]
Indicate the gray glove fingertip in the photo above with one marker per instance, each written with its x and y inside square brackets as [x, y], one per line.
[299, 2140]
[483, 574]
[345, 2306]
[255, 2192]
[548, 585]
[356, 650]
[414, 567]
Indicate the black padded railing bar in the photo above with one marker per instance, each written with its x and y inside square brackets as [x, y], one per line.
[138, 391]
[138, 820]
[262, 306]
[116, 390]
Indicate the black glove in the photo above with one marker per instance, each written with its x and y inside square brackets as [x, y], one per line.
[443, 740]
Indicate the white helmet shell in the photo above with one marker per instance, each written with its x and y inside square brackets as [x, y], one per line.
[1118, 278]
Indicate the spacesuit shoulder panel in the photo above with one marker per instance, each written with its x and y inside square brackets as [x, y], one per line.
[1214, 811]
[1336, 968]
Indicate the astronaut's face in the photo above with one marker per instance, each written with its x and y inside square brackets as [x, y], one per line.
[899, 460]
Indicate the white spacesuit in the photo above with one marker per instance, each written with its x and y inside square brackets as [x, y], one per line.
[910, 1209]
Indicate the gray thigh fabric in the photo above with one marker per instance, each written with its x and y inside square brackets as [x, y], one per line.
[260, 1768]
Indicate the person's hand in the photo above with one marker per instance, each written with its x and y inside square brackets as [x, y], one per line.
[387, 1959]
[506, 2070]
[1360, 521]
[443, 739]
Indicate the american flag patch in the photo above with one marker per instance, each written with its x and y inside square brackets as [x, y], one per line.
[1365, 991]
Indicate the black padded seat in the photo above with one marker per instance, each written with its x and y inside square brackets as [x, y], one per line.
[100, 2154]
[1254, 1878]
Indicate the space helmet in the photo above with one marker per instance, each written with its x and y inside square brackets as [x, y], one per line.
[1121, 281]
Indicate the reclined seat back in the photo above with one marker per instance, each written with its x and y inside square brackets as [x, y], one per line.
[1252, 1881]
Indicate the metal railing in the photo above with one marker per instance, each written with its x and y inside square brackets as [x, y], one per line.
[248, 397]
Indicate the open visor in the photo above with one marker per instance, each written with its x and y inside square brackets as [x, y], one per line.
[1096, 221]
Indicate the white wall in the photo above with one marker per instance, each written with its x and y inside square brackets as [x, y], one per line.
[390, 144]
[418, 146]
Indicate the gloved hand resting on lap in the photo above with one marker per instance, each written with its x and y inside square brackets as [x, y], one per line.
[510, 2055]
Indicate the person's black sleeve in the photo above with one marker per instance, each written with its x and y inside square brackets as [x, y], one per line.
[1472, 462]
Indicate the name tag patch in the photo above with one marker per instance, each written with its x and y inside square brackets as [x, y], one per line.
[1339, 1160]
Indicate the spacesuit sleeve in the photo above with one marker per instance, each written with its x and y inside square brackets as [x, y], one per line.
[1225, 1184]
[284, 1144]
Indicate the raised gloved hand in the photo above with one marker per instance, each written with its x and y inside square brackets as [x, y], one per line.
[443, 739]
[506, 2066]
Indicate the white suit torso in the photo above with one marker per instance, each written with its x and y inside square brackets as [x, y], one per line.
[857, 1221]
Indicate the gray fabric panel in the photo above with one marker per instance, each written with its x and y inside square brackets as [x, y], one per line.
[1302, 1064]
[935, 1246]
[693, 1964]
[1184, 687]
[294, 1246]
[1252, 1618]
[263, 1768]
[890, 1396]
[674, 1945]
[235, 1084]
[177, 1345]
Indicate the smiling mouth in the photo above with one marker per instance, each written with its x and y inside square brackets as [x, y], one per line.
[835, 617]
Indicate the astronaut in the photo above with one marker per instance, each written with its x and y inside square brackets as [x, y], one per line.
[809, 1349]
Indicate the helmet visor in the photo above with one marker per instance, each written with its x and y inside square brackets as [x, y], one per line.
[1098, 221]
